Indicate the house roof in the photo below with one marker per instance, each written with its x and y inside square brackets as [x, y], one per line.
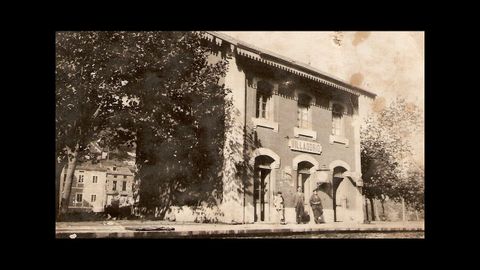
[120, 170]
[105, 166]
[285, 63]
[88, 166]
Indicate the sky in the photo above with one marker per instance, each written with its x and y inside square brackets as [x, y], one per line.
[388, 64]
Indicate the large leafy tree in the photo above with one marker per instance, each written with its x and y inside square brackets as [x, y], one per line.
[179, 122]
[154, 90]
[388, 168]
[88, 93]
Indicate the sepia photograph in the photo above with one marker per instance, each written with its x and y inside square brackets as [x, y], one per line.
[239, 134]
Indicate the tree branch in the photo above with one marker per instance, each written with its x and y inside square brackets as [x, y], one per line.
[95, 114]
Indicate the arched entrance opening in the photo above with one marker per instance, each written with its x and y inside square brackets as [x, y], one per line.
[262, 183]
[304, 179]
[339, 198]
[306, 167]
[344, 195]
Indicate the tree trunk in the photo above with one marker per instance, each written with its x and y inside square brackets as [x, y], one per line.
[58, 180]
[382, 202]
[365, 209]
[72, 163]
[372, 207]
[166, 197]
[403, 210]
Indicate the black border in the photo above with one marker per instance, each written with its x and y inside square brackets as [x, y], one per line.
[41, 45]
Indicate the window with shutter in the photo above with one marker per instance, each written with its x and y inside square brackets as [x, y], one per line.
[337, 120]
[303, 118]
[264, 100]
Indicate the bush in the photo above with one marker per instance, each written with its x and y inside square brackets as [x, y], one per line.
[124, 212]
[81, 216]
[88, 215]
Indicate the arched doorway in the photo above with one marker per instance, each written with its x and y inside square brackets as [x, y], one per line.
[262, 183]
[306, 167]
[264, 162]
[304, 178]
[340, 200]
[345, 196]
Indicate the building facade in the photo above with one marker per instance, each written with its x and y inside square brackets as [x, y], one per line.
[94, 186]
[119, 183]
[293, 126]
[88, 188]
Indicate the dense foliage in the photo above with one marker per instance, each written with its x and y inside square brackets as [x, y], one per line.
[388, 169]
[155, 91]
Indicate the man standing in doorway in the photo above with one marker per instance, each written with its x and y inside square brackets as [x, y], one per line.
[316, 204]
[299, 200]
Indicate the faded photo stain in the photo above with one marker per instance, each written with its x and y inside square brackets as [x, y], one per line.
[337, 38]
[391, 64]
[359, 37]
[378, 104]
[410, 107]
[356, 79]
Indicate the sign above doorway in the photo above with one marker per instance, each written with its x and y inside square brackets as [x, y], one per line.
[305, 146]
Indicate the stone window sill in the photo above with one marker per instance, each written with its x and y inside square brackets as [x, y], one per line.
[262, 122]
[305, 132]
[339, 139]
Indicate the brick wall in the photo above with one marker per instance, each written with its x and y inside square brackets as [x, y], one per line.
[285, 113]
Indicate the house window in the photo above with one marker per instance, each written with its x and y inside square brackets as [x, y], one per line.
[95, 179]
[124, 185]
[114, 185]
[80, 178]
[115, 176]
[303, 113]
[93, 198]
[264, 106]
[124, 177]
[79, 197]
[338, 128]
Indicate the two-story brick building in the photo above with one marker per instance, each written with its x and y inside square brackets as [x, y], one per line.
[294, 126]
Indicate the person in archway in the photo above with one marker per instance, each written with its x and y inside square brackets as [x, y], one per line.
[299, 200]
[317, 209]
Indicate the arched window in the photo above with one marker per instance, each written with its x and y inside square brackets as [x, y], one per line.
[264, 100]
[338, 128]
[303, 114]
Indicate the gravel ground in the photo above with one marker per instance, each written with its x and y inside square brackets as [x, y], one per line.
[389, 235]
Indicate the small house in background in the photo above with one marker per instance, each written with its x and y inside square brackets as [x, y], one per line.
[119, 182]
[95, 184]
[88, 187]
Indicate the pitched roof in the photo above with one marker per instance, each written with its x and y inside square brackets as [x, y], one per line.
[285, 63]
[88, 166]
[119, 170]
[95, 148]
[105, 166]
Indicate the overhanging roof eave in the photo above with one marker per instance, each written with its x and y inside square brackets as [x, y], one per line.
[268, 55]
